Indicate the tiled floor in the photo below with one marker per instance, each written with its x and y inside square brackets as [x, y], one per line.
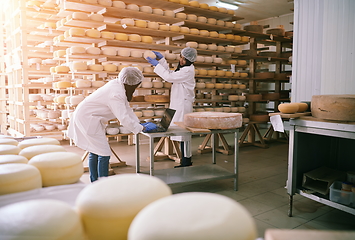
[262, 179]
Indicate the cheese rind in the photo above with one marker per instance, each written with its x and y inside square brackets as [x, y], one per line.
[12, 158]
[334, 107]
[38, 141]
[213, 120]
[32, 151]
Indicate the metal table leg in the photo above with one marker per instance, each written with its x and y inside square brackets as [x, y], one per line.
[137, 154]
[151, 155]
[236, 153]
[290, 203]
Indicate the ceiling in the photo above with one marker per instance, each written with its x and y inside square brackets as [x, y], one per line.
[253, 10]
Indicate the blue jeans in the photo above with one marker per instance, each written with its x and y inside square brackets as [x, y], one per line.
[98, 166]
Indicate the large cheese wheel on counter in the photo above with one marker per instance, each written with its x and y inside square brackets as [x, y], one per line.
[40, 219]
[108, 206]
[12, 158]
[193, 213]
[38, 141]
[213, 120]
[18, 177]
[58, 169]
[32, 151]
[334, 107]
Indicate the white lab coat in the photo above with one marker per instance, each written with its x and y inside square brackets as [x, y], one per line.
[88, 122]
[182, 93]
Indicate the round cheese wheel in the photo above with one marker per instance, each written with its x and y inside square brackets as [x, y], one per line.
[25, 219]
[245, 39]
[8, 141]
[108, 206]
[148, 69]
[204, 33]
[194, 3]
[213, 34]
[288, 107]
[108, 35]
[200, 59]
[213, 120]
[96, 67]
[211, 73]
[123, 52]
[201, 19]
[174, 28]
[153, 25]
[222, 10]
[181, 15]
[164, 27]
[204, 6]
[193, 212]
[150, 54]
[194, 31]
[237, 26]
[134, 38]
[141, 23]
[127, 21]
[133, 7]
[158, 11]
[110, 67]
[18, 177]
[191, 17]
[212, 47]
[93, 50]
[220, 23]
[107, 3]
[156, 98]
[230, 36]
[243, 74]
[118, 4]
[76, 32]
[120, 67]
[78, 66]
[136, 53]
[97, 17]
[80, 16]
[12, 158]
[38, 141]
[6, 149]
[169, 13]
[213, 8]
[61, 53]
[63, 84]
[192, 44]
[202, 46]
[109, 51]
[75, 100]
[212, 21]
[202, 72]
[184, 29]
[93, 33]
[222, 35]
[121, 36]
[58, 169]
[81, 83]
[32, 151]
[77, 50]
[147, 39]
[146, 9]
[302, 107]
[334, 107]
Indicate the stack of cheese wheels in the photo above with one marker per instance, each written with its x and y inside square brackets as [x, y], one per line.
[25, 219]
[18, 177]
[12, 158]
[38, 141]
[58, 169]
[108, 206]
[32, 151]
[193, 213]
[213, 120]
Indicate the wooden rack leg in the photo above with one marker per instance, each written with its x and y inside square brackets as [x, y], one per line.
[252, 127]
[225, 149]
[203, 148]
[262, 142]
[171, 150]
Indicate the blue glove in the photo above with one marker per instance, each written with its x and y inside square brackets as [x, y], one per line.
[158, 54]
[152, 61]
[149, 127]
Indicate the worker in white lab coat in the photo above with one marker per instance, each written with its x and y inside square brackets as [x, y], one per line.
[88, 122]
[182, 93]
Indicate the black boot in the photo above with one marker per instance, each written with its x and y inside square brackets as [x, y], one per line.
[185, 162]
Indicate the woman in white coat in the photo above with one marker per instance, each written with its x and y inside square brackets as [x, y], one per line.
[87, 125]
[182, 93]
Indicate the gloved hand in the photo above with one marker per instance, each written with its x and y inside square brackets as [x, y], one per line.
[152, 61]
[149, 127]
[158, 54]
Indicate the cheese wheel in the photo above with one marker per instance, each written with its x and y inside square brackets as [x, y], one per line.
[12, 158]
[181, 15]
[192, 44]
[78, 66]
[220, 23]
[108, 206]
[18, 177]
[302, 107]
[222, 35]
[58, 169]
[120, 67]
[96, 67]
[194, 3]
[201, 19]
[199, 220]
[76, 32]
[208, 59]
[80, 16]
[134, 38]
[24, 219]
[169, 13]
[191, 17]
[127, 21]
[136, 53]
[211, 73]
[213, 120]
[212, 21]
[110, 67]
[184, 29]
[148, 69]
[156, 98]
[202, 72]
[6, 149]
[38, 141]
[147, 39]
[141, 23]
[158, 11]
[204, 6]
[108, 35]
[146, 9]
[153, 25]
[174, 28]
[109, 51]
[93, 50]
[150, 54]
[213, 34]
[194, 31]
[204, 33]
[8, 141]
[288, 107]
[118, 4]
[230, 36]
[49, 25]
[121, 36]
[243, 74]
[62, 69]
[32, 151]
[63, 84]
[97, 17]
[107, 3]
[164, 27]
[245, 39]
[200, 59]
[93, 33]
[334, 107]
[124, 52]
[81, 83]
[76, 50]
[75, 100]
[133, 7]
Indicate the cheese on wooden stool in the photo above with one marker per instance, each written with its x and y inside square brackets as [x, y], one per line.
[121, 36]
[40, 219]
[38, 141]
[18, 177]
[191, 216]
[93, 33]
[12, 158]
[213, 120]
[6, 149]
[108, 206]
[8, 141]
[58, 169]
[32, 151]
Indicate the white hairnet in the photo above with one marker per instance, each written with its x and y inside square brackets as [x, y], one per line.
[130, 76]
[189, 53]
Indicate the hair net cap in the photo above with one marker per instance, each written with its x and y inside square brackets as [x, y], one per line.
[189, 53]
[130, 76]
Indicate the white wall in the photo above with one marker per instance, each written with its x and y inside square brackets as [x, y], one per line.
[323, 48]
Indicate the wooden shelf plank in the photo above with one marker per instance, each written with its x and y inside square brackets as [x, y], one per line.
[81, 23]
[204, 39]
[139, 45]
[81, 6]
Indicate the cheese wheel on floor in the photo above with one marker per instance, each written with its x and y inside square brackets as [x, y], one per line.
[18, 177]
[40, 219]
[38, 141]
[213, 120]
[108, 206]
[32, 151]
[6, 149]
[12, 158]
[58, 168]
[194, 215]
